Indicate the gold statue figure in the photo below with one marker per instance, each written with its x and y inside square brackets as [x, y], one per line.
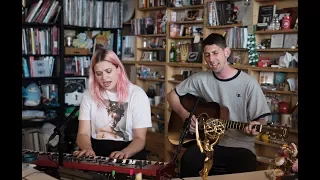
[212, 130]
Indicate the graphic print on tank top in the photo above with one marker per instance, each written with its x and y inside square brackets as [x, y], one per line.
[114, 124]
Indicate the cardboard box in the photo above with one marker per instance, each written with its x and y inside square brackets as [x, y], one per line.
[76, 51]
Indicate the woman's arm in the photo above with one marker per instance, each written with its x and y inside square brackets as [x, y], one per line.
[83, 136]
[138, 142]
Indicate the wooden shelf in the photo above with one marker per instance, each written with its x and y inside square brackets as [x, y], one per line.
[282, 31]
[72, 55]
[174, 81]
[270, 69]
[182, 37]
[187, 7]
[87, 28]
[152, 63]
[41, 78]
[175, 64]
[278, 50]
[42, 107]
[239, 49]
[152, 35]
[151, 79]
[27, 55]
[152, 49]
[152, 8]
[280, 92]
[266, 69]
[38, 25]
[224, 26]
[128, 62]
[186, 22]
[293, 130]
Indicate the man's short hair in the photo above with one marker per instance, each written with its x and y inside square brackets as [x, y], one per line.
[215, 38]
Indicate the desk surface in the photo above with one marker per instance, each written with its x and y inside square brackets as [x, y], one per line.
[30, 173]
[238, 176]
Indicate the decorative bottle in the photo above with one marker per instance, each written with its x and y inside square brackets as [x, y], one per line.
[172, 53]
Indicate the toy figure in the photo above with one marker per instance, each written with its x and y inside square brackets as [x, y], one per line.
[33, 95]
[54, 98]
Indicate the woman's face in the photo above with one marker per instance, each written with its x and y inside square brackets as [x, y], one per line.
[107, 75]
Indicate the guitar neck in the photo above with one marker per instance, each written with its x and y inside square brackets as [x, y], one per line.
[241, 125]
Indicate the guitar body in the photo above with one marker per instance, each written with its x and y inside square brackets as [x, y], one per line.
[175, 124]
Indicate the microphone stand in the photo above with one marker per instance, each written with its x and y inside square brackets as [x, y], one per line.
[186, 126]
[60, 132]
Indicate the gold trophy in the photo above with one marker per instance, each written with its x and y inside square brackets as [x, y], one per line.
[212, 130]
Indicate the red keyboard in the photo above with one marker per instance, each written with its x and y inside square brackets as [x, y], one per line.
[159, 170]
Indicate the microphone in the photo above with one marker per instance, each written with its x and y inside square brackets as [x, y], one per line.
[60, 129]
[186, 126]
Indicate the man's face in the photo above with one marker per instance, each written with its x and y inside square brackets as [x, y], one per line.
[107, 75]
[216, 57]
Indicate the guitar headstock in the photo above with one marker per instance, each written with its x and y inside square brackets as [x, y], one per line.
[276, 131]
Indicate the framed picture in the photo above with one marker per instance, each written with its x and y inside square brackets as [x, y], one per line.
[128, 48]
[147, 56]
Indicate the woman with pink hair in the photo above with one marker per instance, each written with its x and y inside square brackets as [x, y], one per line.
[114, 113]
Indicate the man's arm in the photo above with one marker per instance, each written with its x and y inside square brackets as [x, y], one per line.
[138, 142]
[175, 104]
[83, 136]
[262, 121]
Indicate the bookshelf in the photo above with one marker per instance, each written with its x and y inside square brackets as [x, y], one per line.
[266, 150]
[164, 148]
[165, 78]
[67, 20]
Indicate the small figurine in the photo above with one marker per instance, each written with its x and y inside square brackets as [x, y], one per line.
[32, 95]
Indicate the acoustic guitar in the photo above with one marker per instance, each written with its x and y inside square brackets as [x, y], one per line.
[213, 110]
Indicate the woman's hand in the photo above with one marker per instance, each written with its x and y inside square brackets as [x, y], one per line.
[86, 152]
[119, 155]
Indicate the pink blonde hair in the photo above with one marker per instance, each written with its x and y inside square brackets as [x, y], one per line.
[122, 85]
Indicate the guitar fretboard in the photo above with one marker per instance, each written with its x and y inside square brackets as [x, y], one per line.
[240, 125]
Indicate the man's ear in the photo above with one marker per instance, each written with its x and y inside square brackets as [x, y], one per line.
[227, 52]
